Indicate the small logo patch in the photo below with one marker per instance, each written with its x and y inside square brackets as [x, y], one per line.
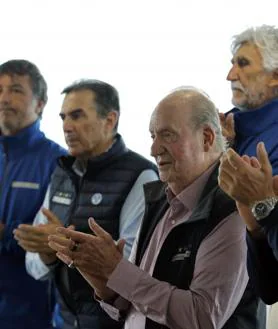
[62, 198]
[182, 254]
[96, 199]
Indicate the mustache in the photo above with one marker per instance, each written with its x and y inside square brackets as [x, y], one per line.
[237, 85]
[6, 108]
[70, 138]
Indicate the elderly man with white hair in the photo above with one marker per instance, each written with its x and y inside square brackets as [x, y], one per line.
[254, 83]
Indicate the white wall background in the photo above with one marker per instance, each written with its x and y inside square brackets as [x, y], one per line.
[144, 48]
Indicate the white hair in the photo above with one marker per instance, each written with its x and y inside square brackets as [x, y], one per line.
[265, 37]
[204, 113]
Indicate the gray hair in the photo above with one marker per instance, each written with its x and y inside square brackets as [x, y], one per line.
[204, 113]
[265, 37]
[106, 96]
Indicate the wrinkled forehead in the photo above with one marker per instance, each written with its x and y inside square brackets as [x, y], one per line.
[248, 50]
[169, 114]
[78, 99]
[15, 79]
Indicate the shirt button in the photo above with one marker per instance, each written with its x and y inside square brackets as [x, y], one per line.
[173, 221]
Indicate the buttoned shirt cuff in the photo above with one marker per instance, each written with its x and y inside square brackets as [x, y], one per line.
[116, 309]
[111, 310]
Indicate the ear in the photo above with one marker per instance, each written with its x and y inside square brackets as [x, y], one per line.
[273, 83]
[112, 119]
[40, 107]
[208, 138]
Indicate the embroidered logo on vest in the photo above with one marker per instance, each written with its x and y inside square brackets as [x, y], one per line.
[96, 199]
[183, 252]
[62, 198]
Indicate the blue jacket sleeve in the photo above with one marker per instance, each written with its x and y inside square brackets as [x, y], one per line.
[262, 269]
[8, 244]
[270, 227]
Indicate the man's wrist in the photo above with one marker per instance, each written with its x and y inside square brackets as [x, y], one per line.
[107, 296]
[262, 208]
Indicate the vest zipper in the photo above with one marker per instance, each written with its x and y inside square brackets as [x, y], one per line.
[73, 208]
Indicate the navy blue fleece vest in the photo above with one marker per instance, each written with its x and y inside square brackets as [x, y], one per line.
[100, 193]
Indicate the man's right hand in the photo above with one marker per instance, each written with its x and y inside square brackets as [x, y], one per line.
[245, 179]
[35, 238]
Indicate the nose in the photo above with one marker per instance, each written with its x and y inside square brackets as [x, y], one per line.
[67, 125]
[233, 73]
[156, 147]
[5, 96]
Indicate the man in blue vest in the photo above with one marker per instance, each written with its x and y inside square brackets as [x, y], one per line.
[100, 178]
[187, 268]
[27, 161]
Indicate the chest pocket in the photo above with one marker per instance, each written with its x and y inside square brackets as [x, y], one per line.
[175, 263]
[62, 198]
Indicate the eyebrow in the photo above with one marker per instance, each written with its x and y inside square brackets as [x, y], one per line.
[236, 59]
[17, 85]
[74, 111]
[163, 130]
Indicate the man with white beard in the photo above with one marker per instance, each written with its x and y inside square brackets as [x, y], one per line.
[254, 84]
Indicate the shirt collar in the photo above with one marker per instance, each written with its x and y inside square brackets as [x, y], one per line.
[80, 167]
[191, 194]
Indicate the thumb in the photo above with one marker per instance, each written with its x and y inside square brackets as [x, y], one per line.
[121, 245]
[98, 230]
[51, 217]
[91, 222]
